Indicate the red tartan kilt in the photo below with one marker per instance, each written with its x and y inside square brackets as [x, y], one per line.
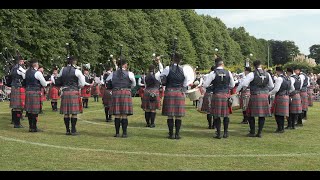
[173, 103]
[141, 92]
[43, 95]
[102, 90]
[71, 103]
[281, 106]
[219, 105]
[304, 100]
[17, 98]
[33, 101]
[121, 102]
[107, 98]
[295, 106]
[54, 92]
[206, 103]
[258, 105]
[84, 92]
[150, 105]
[95, 90]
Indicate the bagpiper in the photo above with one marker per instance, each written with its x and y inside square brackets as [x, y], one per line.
[305, 83]
[244, 96]
[107, 94]
[54, 91]
[86, 90]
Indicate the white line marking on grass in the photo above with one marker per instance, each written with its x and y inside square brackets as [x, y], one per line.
[159, 154]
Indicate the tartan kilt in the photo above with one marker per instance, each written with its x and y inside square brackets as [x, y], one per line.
[304, 100]
[84, 92]
[206, 103]
[141, 92]
[33, 101]
[71, 103]
[173, 102]
[102, 90]
[245, 94]
[54, 92]
[95, 90]
[310, 96]
[150, 105]
[281, 105]
[18, 97]
[258, 105]
[219, 105]
[295, 106]
[107, 98]
[121, 102]
[43, 95]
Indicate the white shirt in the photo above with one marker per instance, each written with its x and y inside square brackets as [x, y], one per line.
[187, 79]
[293, 80]
[39, 76]
[302, 79]
[21, 72]
[250, 78]
[78, 74]
[277, 84]
[240, 84]
[52, 79]
[212, 76]
[140, 81]
[131, 77]
[157, 75]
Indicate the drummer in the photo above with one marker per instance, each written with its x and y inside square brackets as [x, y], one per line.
[197, 83]
[206, 104]
[222, 81]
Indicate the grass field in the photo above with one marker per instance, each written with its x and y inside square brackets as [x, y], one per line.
[149, 149]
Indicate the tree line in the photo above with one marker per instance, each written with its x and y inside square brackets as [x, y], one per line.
[95, 34]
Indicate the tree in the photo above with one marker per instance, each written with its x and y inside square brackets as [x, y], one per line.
[315, 52]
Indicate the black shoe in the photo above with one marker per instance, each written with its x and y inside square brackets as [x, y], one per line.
[217, 137]
[177, 136]
[259, 135]
[152, 125]
[74, 134]
[109, 120]
[251, 135]
[299, 125]
[37, 130]
[116, 135]
[68, 133]
[225, 135]
[287, 127]
[171, 137]
[18, 126]
[124, 136]
[147, 125]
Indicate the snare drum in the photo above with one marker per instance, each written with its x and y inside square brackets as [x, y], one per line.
[194, 94]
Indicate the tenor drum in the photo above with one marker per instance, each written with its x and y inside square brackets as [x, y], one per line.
[194, 94]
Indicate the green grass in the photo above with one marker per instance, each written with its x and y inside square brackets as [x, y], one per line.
[96, 139]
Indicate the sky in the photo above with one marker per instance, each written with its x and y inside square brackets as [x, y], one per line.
[299, 25]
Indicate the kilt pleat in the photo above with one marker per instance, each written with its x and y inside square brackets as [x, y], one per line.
[304, 100]
[107, 98]
[206, 103]
[258, 105]
[84, 92]
[281, 105]
[95, 90]
[33, 102]
[219, 105]
[173, 103]
[121, 103]
[70, 103]
[54, 92]
[295, 106]
[17, 97]
[150, 105]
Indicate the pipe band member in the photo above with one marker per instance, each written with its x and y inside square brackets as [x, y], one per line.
[305, 83]
[176, 82]
[260, 82]
[18, 92]
[295, 106]
[222, 81]
[107, 94]
[244, 96]
[206, 104]
[71, 104]
[86, 90]
[281, 102]
[122, 82]
[35, 82]
[54, 91]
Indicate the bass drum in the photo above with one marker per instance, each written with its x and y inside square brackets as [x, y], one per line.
[235, 102]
